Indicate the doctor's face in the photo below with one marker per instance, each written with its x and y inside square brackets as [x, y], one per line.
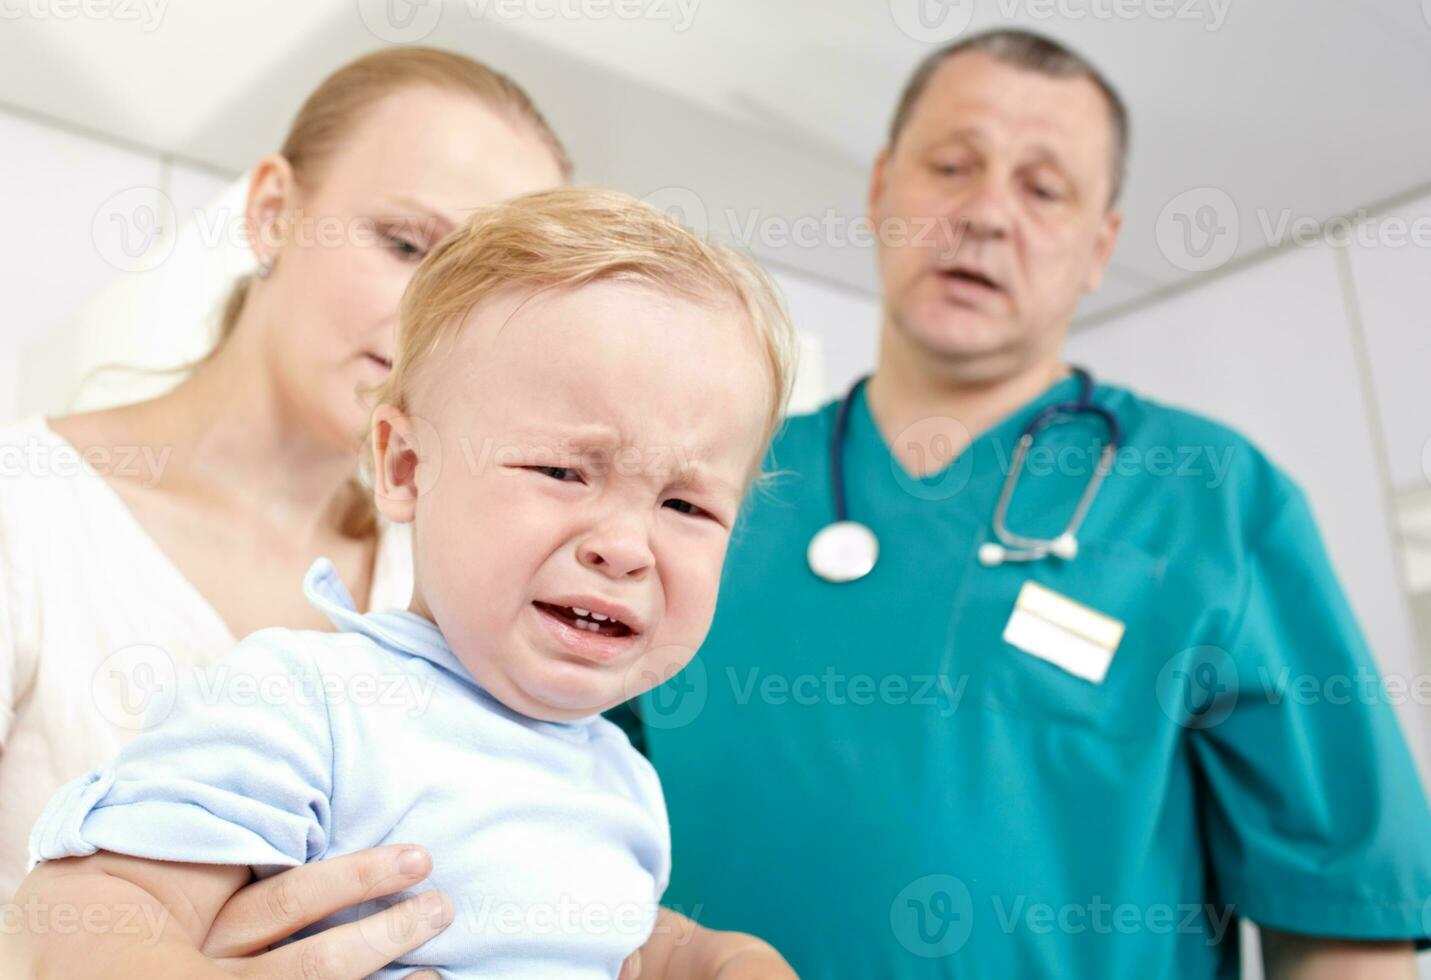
[993, 213]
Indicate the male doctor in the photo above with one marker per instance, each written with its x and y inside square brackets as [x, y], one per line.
[1080, 766]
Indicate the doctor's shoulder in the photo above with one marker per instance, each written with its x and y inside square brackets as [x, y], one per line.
[1205, 471]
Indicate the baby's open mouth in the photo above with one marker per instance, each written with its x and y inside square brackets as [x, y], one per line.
[584, 619]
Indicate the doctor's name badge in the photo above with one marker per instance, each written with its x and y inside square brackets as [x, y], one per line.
[1065, 633]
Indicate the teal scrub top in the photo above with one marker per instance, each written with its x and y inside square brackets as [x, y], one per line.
[870, 778]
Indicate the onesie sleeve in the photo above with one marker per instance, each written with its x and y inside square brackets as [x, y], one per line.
[236, 768]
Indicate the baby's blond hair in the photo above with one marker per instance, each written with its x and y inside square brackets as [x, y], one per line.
[572, 237]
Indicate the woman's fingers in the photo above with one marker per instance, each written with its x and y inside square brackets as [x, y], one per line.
[261, 914]
[356, 949]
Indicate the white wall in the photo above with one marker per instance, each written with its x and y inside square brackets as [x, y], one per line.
[840, 328]
[80, 207]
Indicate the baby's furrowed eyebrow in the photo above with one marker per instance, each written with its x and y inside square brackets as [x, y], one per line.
[673, 463]
[696, 477]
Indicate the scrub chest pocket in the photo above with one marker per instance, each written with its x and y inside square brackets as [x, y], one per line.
[1110, 586]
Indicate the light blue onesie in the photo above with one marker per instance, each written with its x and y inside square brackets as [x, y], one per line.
[550, 838]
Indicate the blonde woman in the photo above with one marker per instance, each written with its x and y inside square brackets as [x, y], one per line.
[259, 445]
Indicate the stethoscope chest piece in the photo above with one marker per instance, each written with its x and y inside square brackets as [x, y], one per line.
[843, 551]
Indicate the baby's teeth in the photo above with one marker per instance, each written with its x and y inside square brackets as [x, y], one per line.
[598, 617]
[580, 612]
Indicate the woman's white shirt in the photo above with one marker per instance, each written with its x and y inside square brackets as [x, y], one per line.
[95, 622]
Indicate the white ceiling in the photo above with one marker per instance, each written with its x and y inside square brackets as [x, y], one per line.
[1306, 108]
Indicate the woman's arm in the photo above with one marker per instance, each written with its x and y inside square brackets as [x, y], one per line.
[113, 916]
[1286, 956]
[108, 915]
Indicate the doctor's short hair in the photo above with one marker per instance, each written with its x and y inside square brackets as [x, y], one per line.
[1031, 52]
[571, 237]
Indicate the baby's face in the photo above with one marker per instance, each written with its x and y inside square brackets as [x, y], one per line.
[594, 445]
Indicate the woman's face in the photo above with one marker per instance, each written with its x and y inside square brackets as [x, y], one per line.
[412, 170]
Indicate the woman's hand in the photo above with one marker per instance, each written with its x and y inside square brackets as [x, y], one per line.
[261, 914]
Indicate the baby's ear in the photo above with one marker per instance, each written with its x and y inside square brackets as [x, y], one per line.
[405, 462]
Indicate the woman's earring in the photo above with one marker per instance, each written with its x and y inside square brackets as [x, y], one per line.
[264, 268]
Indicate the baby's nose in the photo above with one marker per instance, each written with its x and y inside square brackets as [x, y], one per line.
[616, 555]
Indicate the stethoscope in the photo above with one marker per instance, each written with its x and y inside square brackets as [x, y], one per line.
[846, 550]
